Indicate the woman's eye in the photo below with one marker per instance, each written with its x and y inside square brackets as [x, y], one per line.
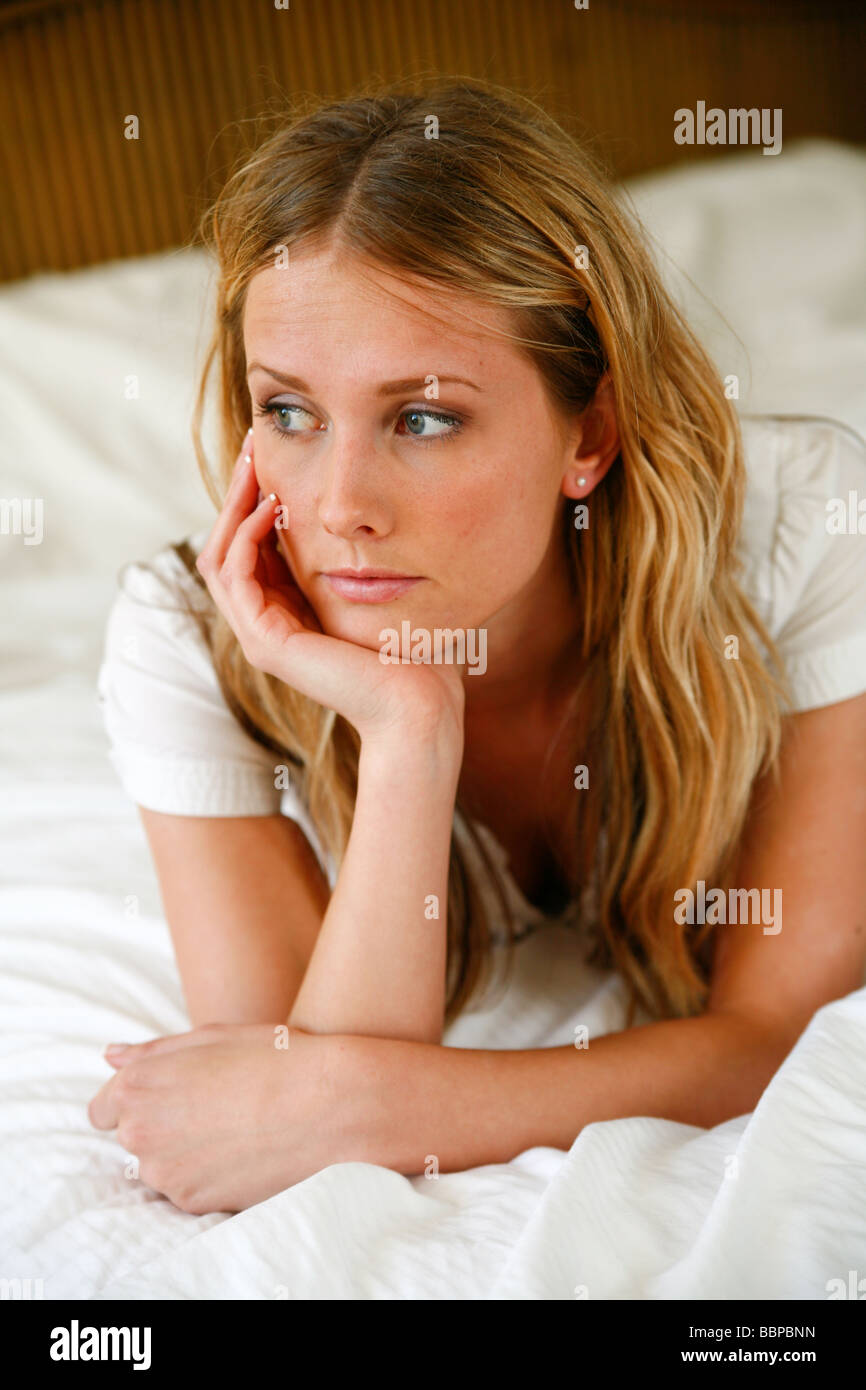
[280, 416]
[415, 420]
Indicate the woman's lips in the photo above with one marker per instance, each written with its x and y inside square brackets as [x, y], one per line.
[379, 589]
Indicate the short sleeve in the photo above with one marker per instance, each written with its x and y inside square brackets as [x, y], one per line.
[811, 575]
[173, 741]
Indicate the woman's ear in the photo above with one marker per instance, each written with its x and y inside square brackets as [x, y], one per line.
[598, 443]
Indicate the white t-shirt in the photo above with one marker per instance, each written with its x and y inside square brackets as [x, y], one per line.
[178, 749]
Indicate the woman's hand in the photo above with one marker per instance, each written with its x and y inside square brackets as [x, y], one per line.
[251, 583]
[227, 1115]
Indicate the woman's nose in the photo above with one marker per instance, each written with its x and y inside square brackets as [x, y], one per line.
[353, 495]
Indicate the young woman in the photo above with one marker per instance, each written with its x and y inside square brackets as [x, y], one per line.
[456, 399]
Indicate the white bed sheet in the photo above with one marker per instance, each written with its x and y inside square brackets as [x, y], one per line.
[768, 1205]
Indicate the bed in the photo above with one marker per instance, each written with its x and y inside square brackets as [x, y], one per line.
[98, 369]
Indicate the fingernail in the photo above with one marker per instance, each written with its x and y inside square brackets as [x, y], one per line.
[117, 1047]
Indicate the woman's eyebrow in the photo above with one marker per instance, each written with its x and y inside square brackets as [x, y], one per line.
[386, 388]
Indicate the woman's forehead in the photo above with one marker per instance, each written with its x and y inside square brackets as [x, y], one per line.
[322, 291]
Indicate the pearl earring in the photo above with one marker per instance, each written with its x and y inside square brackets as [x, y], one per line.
[581, 482]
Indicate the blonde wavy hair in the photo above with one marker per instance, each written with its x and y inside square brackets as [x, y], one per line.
[499, 205]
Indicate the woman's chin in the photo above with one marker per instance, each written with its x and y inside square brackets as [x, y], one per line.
[361, 629]
[376, 628]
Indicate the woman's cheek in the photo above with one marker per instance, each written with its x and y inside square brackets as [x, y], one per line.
[466, 515]
[264, 467]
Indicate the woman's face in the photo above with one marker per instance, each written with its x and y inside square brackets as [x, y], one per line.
[460, 490]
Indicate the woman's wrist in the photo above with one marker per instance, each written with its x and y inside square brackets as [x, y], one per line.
[415, 748]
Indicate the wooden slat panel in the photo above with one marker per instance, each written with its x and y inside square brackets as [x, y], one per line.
[74, 191]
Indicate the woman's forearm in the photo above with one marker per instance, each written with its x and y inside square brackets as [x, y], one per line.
[467, 1107]
[378, 966]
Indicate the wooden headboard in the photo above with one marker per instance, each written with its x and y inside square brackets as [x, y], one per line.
[77, 191]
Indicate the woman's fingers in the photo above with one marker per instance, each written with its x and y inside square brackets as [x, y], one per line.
[247, 567]
[103, 1112]
[243, 559]
[120, 1055]
[240, 497]
[279, 579]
